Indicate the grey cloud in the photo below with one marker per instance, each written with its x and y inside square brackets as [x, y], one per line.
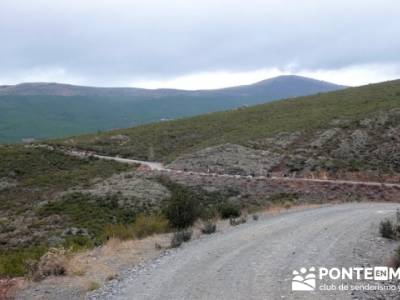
[117, 40]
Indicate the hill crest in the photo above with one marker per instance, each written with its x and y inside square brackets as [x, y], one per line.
[64, 89]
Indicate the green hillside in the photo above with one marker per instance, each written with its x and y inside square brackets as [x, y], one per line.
[167, 140]
[45, 110]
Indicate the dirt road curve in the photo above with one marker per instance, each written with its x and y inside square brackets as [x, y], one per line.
[160, 167]
[256, 260]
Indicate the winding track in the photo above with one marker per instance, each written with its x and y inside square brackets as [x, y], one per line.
[256, 260]
[156, 166]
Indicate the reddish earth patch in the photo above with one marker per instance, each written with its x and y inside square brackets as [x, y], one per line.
[144, 168]
[8, 287]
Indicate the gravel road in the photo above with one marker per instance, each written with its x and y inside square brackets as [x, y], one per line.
[256, 260]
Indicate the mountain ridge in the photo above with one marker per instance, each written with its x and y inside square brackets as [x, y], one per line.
[39, 88]
[50, 110]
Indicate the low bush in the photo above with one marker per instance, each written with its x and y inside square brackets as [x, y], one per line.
[53, 263]
[90, 212]
[209, 228]
[210, 213]
[386, 229]
[283, 198]
[15, 263]
[255, 217]
[394, 260]
[287, 205]
[397, 254]
[41, 167]
[229, 210]
[180, 237]
[186, 234]
[176, 241]
[237, 221]
[78, 243]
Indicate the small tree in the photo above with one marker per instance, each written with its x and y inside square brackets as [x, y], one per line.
[182, 209]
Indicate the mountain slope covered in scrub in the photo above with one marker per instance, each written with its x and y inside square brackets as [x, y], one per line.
[48, 198]
[307, 117]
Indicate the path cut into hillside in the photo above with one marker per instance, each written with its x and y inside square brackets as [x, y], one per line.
[156, 166]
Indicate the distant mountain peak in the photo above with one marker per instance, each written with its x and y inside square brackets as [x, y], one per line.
[293, 78]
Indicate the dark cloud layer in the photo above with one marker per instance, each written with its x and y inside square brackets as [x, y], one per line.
[120, 40]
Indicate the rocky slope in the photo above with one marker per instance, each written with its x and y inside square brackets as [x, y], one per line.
[370, 146]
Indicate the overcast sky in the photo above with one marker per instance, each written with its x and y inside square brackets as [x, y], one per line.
[197, 43]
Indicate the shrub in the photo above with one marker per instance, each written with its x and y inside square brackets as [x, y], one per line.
[394, 260]
[283, 198]
[255, 217]
[182, 209]
[181, 236]
[209, 228]
[237, 221]
[397, 255]
[210, 213]
[229, 210]
[234, 221]
[20, 262]
[176, 241]
[111, 277]
[287, 205]
[52, 263]
[386, 229]
[91, 212]
[78, 243]
[186, 234]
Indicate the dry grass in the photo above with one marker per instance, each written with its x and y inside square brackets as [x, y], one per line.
[144, 226]
[106, 262]
[98, 265]
[149, 225]
[93, 286]
[114, 256]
